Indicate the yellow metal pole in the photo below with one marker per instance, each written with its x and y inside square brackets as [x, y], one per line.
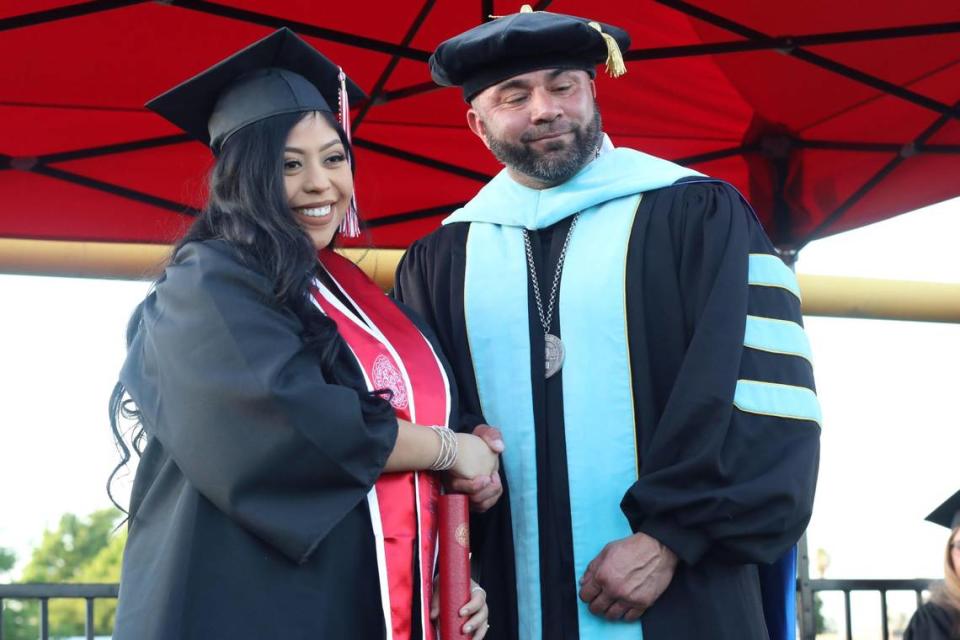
[822, 295]
[379, 264]
[130, 261]
[844, 297]
[83, 259]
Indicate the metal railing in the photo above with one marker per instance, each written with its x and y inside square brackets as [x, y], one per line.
[918, 586]
[45, 592]
[806, 589]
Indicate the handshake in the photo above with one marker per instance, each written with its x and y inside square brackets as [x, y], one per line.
[476, 471]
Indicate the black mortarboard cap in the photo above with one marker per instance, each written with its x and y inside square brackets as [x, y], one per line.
[278, 74]
[523, 42]
[947, 514]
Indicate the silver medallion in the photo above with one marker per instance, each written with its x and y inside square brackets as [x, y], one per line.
[553, 352]
[553, 347]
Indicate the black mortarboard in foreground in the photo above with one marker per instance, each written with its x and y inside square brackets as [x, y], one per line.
[278, 74]
[523, 42]
[947, 514]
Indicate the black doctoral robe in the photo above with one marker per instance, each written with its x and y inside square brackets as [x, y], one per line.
[726, 490]
[248, 516]
[933, 622]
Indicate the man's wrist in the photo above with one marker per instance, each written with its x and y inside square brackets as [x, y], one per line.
[687, 545]
[667, 555]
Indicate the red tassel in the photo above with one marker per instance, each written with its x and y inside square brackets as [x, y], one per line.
[350, 225]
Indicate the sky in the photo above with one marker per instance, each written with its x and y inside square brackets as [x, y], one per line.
[890, 440]
[890, 448]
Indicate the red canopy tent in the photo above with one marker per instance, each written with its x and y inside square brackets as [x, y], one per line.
[826, 116]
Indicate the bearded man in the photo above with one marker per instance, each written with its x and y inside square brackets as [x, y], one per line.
[630, 330]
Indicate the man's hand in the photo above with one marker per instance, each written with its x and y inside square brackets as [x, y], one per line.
[627, 577]
[484, 491]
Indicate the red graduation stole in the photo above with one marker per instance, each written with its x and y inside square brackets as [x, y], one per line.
[393, 354]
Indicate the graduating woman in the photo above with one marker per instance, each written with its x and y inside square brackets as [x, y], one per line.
[291, 412]
[939, 619]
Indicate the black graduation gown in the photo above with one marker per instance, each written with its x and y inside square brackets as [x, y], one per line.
[248, 516]
[724, 489]
[932, 622]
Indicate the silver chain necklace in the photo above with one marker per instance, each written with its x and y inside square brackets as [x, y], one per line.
[553, 346]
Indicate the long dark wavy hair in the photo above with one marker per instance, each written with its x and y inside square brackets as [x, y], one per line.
[247, 208]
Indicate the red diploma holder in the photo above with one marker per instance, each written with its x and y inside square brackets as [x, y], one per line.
[454, 564]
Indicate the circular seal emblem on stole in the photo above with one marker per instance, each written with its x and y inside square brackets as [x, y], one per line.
[386, 376]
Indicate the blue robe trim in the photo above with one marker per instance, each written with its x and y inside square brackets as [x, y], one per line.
[777, 336]
[779, 400]
[597, 392]
[495, 301]
[766, 270]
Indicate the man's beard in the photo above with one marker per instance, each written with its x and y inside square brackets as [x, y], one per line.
[558, 162]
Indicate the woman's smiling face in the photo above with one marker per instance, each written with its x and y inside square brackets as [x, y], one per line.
[317, 178]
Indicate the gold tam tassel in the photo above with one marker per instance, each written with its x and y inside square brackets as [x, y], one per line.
[615, 64]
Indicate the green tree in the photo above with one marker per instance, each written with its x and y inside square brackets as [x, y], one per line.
[14, 616]
[7, 559]
[103, 567]
[78, 550]
[19, 620]
[820, 623]
[65, 551]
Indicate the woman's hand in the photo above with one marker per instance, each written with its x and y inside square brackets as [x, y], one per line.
[474, 458]
[475, 611]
